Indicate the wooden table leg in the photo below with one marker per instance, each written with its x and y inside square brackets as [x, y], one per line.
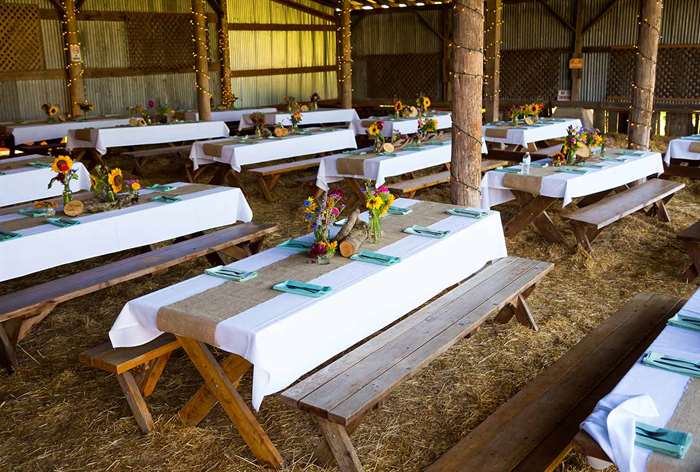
[338, 441]
[218, 383]
[533, 211]
[693, 250]
[8, 355]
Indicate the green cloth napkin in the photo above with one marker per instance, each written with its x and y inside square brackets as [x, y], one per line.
[417, 230]
[3, 173]
[394, 210]
[40, 165]
[437, 142]
[6, 235]
[161, 187]
[508, 170]
[375, 258]
[664, 441]
[37, 212]
[570, 170]
[302, 288]
[165, 199]
[632, 153]
[468, 212]
[231, 274]
[297, 245]
[62, 222]
[673, 364]
[684, 321]
[591, 165]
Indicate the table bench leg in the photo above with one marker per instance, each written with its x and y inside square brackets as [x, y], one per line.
[693, 250]
[8, 354]
[218, 383]
[520, 309]
[533, 211]
[265, 189]
[136, 402]
[338, 441]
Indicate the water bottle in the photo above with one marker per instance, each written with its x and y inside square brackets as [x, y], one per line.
[526, 163]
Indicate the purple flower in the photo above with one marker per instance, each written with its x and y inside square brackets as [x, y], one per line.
[337, 194]
[383, 189]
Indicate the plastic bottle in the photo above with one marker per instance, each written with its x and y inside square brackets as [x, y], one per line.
[526, 163]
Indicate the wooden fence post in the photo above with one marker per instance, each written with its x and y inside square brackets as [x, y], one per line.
[74, 60]
[492, 64]
[201, 59]
[345, 57]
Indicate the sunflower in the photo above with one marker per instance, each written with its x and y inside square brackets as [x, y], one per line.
[373, 130]
[53, 110]
[374, 203]
[398, 106]
[62, 164]
[115, 180]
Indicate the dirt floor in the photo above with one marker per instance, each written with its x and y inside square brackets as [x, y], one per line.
[58, 415]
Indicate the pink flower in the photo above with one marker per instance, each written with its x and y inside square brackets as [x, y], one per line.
[335, 211]
[318, 249]
[383, 189]
[151, 103]
[337, 194]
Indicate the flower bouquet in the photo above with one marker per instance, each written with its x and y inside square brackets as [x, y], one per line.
[295, 118]
[567, 154]
[320, 213]
[314, 101]
[63, 166]
[426, 130]
[111, 190]
[423, 102]
[377, 201]
[258, 120]
[398, 107]
[165, 114]
[374, 131]
[52, 112]
[86, 107]
[594, 141]
[528, 113]
[292, 104]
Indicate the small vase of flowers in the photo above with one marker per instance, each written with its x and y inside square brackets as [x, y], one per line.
[398, 108]
[320, 213]
[63, 166]
[86, 107]
[377, 200]
[426, 130]
[295, 118]
[258, 120]
[423, 102]
[314, 101]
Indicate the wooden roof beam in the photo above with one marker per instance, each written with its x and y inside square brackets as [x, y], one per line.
[556, 15]
[604, 11]
[216, 6]
[305, 9]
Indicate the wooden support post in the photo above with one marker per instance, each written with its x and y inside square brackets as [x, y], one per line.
[224, 56]
[492, 64]
[576, 74]
[201, 59]
[74, 61]
[341, 447]
[467, 80]
[345, 57]
[645, 74]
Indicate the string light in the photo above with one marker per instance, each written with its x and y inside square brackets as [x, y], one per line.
[199, 21]
[74, 69]
[344, 47]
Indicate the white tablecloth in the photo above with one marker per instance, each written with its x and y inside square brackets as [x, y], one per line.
[272, 149]
[318, 117]
[289, 335]
[679, 149]
[403, 125]
[665, 389]
[46, 246]
[546, 128]
[105, 138]
[229, 115]
[29, 183]
[37, 132]
[570, 186]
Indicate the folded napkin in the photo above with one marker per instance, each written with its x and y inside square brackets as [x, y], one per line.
[427, 232]
[664, 441]
[37, 212]
[632, 153]
[616, 159]
[437, 142]
[7, 235]
[673, 364]
[166, 199]
[394, 210]
[685, 321]
[468, 212]
[302, 288]
[161, 187]
[591, 165]
[570, 170]
[375, 258]
[231, 274]
[508, 170]
[340, 222]
[296, 244]
[62, 222]
[39, 165]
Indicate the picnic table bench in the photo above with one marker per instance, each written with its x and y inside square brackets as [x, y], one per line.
[535, 428]
[268, 176]
[140, 155]
[20, 311]
[690, 237]
[341, 393]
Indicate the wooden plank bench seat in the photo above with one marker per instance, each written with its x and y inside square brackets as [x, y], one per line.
[587, 222]
[690, 237]
[20, 311]
[533, 430]
[140, 155]
[341, 393]
[408, 188]
[268, 176]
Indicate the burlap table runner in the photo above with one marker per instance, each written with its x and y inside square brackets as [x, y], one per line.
[353, 165]
[530, 183]
[30, 222]
[24, 163]
[84, 134]
[685, 418]
[215, 149]
[197, 316]
[497, 132]
[694, 147]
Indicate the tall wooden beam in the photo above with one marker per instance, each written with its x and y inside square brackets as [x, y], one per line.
[74, 61]
[467, 80]
[224, 55]
[492, 64]
[577, 73]
[345, 56]
[201, 59]
[639, 132]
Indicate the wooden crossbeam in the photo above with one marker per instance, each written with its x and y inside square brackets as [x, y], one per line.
[604, 11]
[556, 15]
[305, 9]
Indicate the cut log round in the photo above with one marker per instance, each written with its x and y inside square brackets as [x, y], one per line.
[352, 243]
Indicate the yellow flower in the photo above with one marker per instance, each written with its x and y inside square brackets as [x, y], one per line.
[135, 186]
[115, 180]
[62, 164]
[374, 203]
[373, 130]
[426, 102]
[53, 110]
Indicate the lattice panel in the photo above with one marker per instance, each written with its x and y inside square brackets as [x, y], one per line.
[620, 75]
[21, 47]
[159, 41]
[530, 74]
[404, 75]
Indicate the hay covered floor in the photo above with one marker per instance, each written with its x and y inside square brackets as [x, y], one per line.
[58, 415]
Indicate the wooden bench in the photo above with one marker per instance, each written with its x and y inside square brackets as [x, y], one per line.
[20, 311]
[587, 222]
[408, 188]
[533, 430]
[139, 156]
[690, 237]
[341, 393]
[268, 176]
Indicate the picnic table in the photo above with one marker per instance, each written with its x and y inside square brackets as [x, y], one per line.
[286, 335]
[315, 117]
[229, 115]
[187, 209]
[658, 395]
[402, 125]
[26, 178]
[686, 148]
[36, 131]
[525, 136]
[543, 186]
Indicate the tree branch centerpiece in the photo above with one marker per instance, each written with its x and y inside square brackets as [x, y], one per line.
[377, 201]
[321, 213]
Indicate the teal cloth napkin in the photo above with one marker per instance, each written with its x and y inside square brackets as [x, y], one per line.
[166, 199]
[161, 187]
[37, 212]
[3, 173]
[673, 364]
[62, 222]
[375, 258]
[437, 142]
[570, 170]
[295, 244]
[508, 170]
[6, 235]
[632, 153]
[302, 288]
[427, 232]
[591, 165]
[231, 274]
[394, 210]
[468, 212]
[664, 441]
[684, 321]
[40, 165]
